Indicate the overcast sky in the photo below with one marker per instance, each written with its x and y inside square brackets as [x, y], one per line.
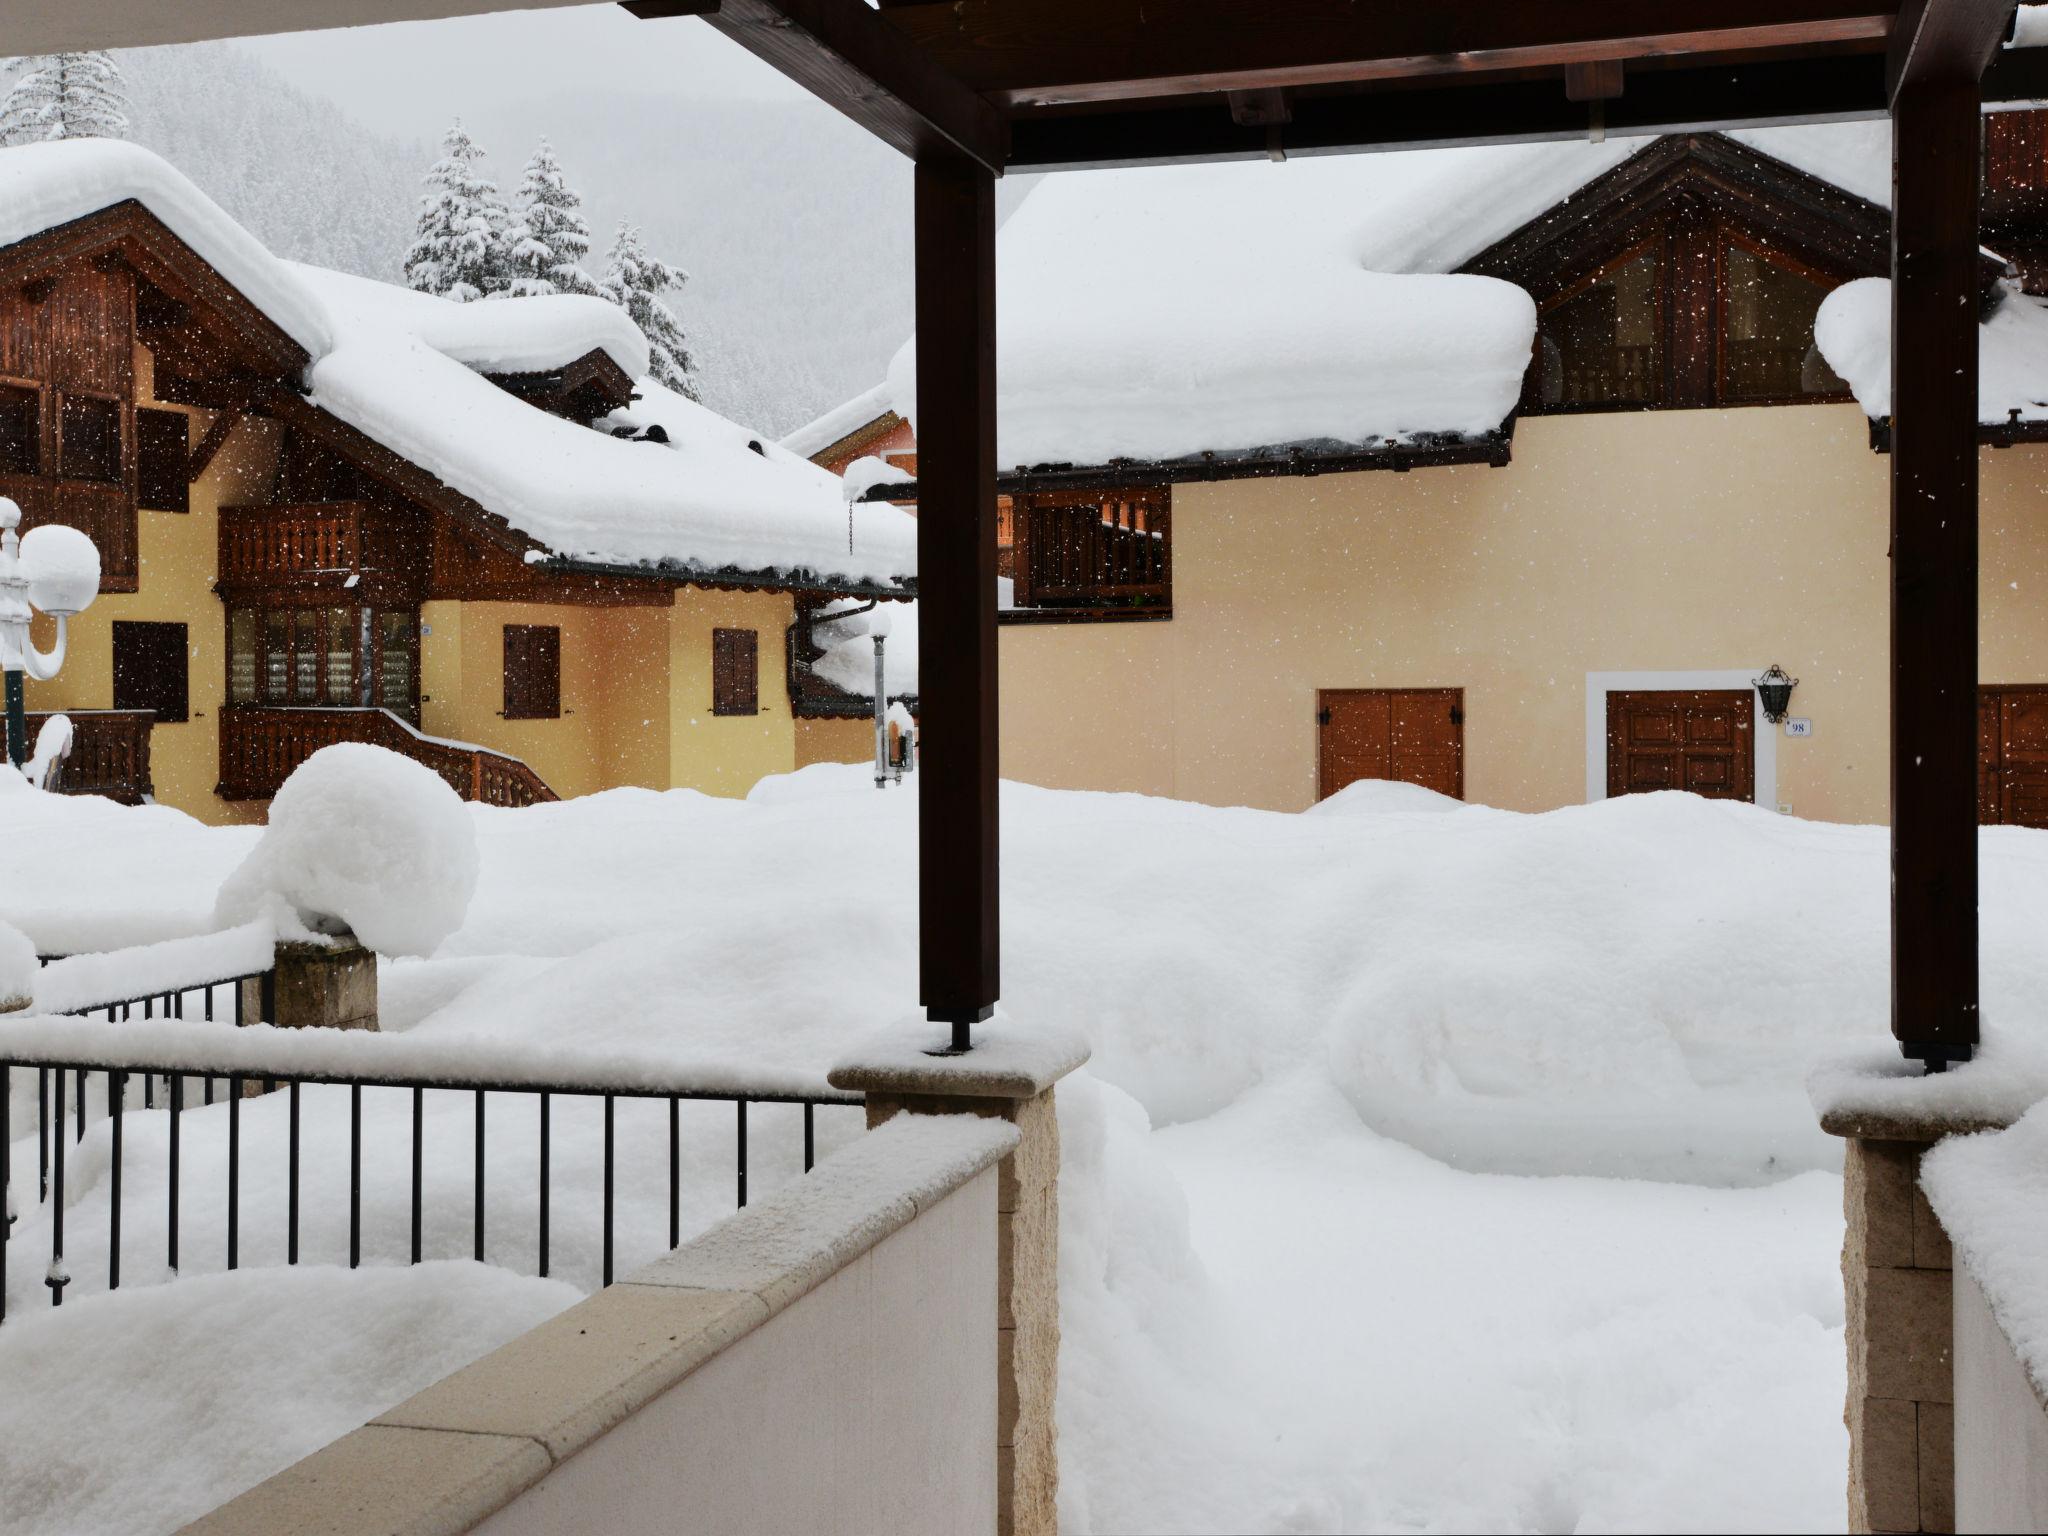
[410, 77]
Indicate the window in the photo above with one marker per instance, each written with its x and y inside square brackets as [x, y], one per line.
[1599, 343]
[90, 439]
[398, 650]
[162, 453]
[1768, 352]
[21, 430]
[150, 669]
[1093, 554]
[316, 657]
[242, 656]
[533, 672]
[735, 672]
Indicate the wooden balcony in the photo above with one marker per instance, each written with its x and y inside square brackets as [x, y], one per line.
[260, 746]
[109, 753]
[1088, 551]
[313, 544]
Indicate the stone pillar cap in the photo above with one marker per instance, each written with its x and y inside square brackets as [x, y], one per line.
[1876, 1095]
[1009, 1060]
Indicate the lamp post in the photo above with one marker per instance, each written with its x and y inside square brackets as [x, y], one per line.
[878, 627]
[55, 570]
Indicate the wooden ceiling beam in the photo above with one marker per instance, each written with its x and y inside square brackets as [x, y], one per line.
[1938, 40]
[1048, 52]
[843, 53]
[1439, 114]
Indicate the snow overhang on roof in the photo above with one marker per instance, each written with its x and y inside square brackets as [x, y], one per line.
[715, 502]
[1854, 333]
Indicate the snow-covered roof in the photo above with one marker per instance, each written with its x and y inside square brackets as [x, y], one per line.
[1854, 333]
[1158, 312]
[407, 370]
[815, 437]
[532, 336]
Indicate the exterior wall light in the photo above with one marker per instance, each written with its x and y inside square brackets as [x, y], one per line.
[1775, 689]
[54, 569]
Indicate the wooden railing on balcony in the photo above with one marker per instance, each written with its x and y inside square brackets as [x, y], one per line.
[273, 545]
[1090, 551]
[109, 753]
[1611, 374]
[260, 746]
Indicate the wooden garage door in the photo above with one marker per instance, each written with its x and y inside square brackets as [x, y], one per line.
[1416, 735]
[2012, 756]
[1701, 741]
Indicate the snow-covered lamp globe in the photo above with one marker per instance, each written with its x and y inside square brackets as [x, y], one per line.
[55, 569]
[63, 570]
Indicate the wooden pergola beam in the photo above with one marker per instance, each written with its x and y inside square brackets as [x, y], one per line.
[846, 56]
[1034, 52]
[1944, 40]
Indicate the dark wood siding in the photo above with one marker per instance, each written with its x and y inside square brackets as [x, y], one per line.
[1413, 735]
[735, 672]
[151, 666]
[533, 672]
[162, 453]
[1701, 741]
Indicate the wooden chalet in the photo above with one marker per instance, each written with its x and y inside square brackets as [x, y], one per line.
[287, 564]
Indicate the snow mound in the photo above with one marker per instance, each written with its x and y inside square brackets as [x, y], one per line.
[363, 839]
[18, 969]
[142, 1409]
[1989, 1191]
[1379, 797]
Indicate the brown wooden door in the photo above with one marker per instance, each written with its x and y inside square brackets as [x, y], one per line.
[2012, 734]
[1699, 741]
[1415, 735]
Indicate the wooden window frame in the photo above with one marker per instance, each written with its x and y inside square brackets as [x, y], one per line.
[1692, 239]
[533, 672]
[1324, 699]
[735, 682]
[124, 699]
[162, 471]
[367, 655]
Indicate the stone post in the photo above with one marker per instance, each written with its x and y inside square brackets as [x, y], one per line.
[1900, 1325]
[1009, 1075]
[333, 986]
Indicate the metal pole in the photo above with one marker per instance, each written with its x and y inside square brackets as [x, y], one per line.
[881, 718]
[17, 720]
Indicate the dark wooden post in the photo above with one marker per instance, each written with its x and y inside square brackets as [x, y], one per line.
[956, 571]
[1935, 128]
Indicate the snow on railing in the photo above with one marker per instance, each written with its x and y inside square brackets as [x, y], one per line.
[148, 973]
[256, 1059]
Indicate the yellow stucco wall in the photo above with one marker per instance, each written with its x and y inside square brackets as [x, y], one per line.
[1651, 541]
[727, 754]
[834, 741]
[613, 727]
[177, 552]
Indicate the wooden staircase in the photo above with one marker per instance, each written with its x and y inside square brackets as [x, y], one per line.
[260, 745]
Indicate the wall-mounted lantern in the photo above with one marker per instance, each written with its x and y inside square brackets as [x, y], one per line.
[1774, 688]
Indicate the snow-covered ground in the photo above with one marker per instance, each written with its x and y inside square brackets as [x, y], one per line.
[1437, 1169]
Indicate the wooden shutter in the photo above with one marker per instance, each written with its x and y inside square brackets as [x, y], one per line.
[151, 666]
[735, 672]
[162, 455]
[533, 672]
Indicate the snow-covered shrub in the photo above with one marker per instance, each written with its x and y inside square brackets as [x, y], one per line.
[364, 840]
[17, 969]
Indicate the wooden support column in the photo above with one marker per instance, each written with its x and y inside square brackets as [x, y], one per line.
[956, 570]
[1935, 128]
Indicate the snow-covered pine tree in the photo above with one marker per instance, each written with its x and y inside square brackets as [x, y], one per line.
[463, 244]
[635, 280]
[549, 237]
[64, 96]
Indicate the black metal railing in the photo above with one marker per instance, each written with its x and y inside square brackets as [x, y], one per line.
[247, 1079]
